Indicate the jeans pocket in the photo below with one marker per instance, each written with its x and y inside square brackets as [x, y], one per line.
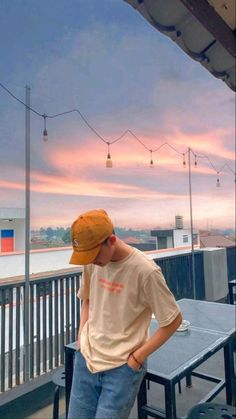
[135, 371]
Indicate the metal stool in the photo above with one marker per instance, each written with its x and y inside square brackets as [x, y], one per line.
[212, 411]
[59, 380]
[232, 292]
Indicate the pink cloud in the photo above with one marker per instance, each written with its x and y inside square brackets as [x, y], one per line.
[12, 185]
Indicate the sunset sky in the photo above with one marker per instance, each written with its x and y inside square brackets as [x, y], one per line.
[104, 59]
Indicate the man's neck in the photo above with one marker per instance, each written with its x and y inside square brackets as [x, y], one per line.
[122, 251]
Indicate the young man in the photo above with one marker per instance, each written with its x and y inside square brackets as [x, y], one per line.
[120, 290]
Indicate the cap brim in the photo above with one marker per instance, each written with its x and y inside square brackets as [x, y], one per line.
[85, 257]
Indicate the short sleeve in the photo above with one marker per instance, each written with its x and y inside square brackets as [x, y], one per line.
[83, 293]
[160, 299]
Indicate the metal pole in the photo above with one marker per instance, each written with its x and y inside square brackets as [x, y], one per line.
[27, 234]
[191, 222]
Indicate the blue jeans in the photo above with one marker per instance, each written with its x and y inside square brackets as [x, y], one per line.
[103, 395]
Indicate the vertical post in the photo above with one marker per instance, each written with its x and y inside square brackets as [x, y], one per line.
[27, 234]
[191, 222]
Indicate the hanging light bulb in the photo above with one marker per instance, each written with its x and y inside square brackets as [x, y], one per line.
[45, 133]
[151, 161]
[195, 161]
[218, 180]
[109, 160]
[184, 162]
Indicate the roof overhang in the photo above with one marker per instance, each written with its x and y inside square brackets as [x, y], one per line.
[205, 30]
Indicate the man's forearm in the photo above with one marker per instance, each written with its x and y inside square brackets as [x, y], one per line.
[83, 317]
[157, 339]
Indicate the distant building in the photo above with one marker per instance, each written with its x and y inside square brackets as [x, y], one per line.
[216, 241]
[144, 243]
[144, 247]
[175, 237]
[12, 229]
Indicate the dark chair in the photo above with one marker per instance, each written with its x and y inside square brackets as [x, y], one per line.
[212, 411]
[232, 292]
[59, 380]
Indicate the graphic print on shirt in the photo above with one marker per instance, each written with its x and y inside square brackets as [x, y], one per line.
[114, 287]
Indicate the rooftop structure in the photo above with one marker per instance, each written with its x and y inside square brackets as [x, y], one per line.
[174, 237]
[216, 241]
[12, 229]
[205, 30]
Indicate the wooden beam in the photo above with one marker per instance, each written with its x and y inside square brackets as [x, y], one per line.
[208, 17]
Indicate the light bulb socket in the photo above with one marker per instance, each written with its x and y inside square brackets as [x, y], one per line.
[151, 163]
[45, 135]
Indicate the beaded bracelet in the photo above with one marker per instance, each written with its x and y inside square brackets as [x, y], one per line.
[139, 363]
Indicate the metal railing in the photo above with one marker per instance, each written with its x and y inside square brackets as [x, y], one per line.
[177, 271]
[54, 317]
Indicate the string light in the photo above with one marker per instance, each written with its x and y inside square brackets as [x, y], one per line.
[109, 163]
[109, 160]
[151, 160]
[45, 133]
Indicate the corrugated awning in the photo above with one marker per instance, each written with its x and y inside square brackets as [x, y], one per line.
[205, 30]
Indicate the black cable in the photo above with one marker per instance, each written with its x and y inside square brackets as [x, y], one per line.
[23, 103]
[117, 139]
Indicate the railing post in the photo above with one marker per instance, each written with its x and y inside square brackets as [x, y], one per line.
[27, 235]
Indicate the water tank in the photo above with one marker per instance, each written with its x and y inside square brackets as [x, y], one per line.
[179, 222]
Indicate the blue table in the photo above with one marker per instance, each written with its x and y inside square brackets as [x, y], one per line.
[181, 355]
[217, 317]
[212, 328]
[206, 315]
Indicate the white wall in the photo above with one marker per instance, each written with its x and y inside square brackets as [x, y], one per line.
[12, 213]
[215, 265]
[19, 235]
[44, 260]
[40, 261]
[178, 237]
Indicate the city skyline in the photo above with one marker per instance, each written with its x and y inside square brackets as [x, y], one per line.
[122, 74]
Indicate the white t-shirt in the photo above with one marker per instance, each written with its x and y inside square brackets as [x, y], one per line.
[122, 297]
